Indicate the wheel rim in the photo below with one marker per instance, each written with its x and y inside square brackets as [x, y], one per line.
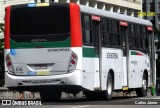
[109, 88]
[144, 84]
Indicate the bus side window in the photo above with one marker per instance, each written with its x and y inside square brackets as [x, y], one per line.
[86, 30]
[145, 39]
[138, 36]
[105, 33]
[114, 33]
[132, 36]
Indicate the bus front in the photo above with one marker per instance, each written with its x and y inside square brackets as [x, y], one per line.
[38, 46]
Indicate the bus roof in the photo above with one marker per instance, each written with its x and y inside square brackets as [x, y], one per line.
[113, 15]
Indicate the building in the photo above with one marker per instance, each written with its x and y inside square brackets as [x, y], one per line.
[128, 7]
[4, 3]
[153, 6]
[150, 6]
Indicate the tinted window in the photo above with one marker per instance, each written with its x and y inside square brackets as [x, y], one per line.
[37, 21]
[105, 32]
[132, 36]
[110, 33]
[86, 28]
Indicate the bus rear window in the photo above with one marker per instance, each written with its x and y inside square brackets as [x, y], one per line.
[40, 21]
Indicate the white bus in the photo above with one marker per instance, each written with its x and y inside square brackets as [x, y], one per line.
[65, 47]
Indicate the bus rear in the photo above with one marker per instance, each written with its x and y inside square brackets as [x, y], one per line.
[38, 46]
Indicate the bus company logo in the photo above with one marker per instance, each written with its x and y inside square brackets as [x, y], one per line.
[58, 49]
[38, 40]
[134, 62]
[112, 55]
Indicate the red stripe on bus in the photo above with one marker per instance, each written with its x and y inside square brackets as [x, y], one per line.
[139, 54]
[7, 28]
[149, 28]
[75, 18]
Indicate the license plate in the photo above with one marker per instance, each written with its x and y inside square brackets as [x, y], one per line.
[40, 66]
[43, 73]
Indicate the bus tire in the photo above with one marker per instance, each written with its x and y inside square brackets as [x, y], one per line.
[49, 96]
[142, 92]
[109, 87]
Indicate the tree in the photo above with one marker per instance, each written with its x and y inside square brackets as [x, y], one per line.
[1, 27]
[1, 30]
[1, 56]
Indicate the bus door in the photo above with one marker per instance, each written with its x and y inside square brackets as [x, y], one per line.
[97, 50]
[125, 48]
[151, 51]
[91, 51]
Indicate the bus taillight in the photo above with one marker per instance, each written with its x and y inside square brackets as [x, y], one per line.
[7, 58]
[73, 55]
[73, 62]
[9, 64]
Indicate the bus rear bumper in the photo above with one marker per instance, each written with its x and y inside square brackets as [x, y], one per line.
[29, 82]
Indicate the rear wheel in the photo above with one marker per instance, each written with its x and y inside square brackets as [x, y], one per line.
[142, 92]
[50, 95]
[109, 87]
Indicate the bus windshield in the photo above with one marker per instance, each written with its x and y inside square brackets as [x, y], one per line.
[28, 23]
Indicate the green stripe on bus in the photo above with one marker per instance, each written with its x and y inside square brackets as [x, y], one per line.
[89, 52]
[136, 53]
[65, 43]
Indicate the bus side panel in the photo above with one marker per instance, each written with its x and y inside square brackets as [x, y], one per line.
[78, 52]
[90, 69]
[90, 79]
[112, 59]
[7, 28]
[6, 51]
[138, 63]
[76, 32]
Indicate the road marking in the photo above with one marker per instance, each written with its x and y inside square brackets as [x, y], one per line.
[81, 106]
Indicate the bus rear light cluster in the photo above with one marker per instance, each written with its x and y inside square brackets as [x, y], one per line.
[9, 64]
[7, 58]
[73, 62]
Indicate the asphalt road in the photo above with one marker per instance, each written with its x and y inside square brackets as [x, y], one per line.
[117, 102]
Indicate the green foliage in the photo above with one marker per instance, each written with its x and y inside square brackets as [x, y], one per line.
[1, 44]
[1, 30]
[1, 27]
[1, 56]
